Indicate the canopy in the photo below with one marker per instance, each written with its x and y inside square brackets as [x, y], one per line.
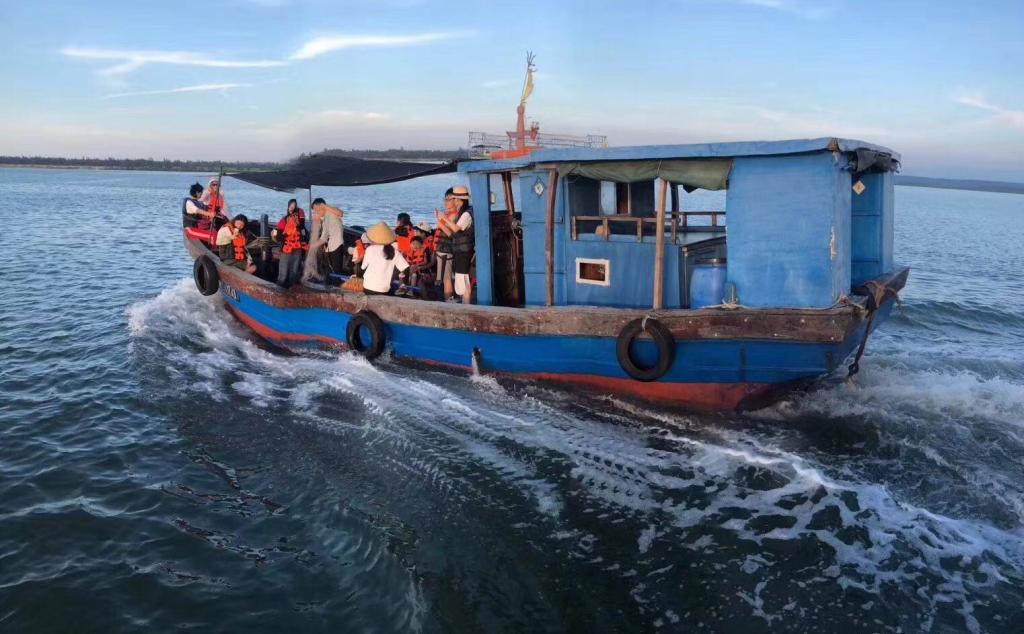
[332, 170]
[691, 173]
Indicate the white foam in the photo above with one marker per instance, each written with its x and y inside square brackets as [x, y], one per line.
[628, 461]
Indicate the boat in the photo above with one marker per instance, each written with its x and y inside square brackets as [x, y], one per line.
[590, 274]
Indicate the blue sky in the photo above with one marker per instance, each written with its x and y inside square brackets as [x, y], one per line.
[941, 82]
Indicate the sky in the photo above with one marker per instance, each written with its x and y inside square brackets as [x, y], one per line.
[941, 82]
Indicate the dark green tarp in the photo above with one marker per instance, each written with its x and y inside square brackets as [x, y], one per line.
[690, 173]
[329, 170]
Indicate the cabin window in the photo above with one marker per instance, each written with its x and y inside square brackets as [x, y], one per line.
[597, 272]
[606, 210]
[500, 191]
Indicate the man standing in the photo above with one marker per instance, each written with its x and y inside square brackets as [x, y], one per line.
[463, 241]
[332, 235]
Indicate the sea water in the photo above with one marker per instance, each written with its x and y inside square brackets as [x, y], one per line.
[162, 468]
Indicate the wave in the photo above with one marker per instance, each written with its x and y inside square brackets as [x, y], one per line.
[682, 483]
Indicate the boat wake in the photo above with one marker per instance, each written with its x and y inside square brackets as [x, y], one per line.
[888, 496]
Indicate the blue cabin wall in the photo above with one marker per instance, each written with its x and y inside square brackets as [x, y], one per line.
[631, 273]
[798, 235]
[534, 216]
[872, 228]
[630, 263]
[789, 224]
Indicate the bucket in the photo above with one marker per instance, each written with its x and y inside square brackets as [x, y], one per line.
[707, 284]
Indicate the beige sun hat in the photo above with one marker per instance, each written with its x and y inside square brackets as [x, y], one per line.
[381, 233]
[424, 227]
[460, 192]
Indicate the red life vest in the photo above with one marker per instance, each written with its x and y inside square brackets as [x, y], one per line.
[360, 249]
[404, 245]
[216, 204]
[292, 236]
[417, 256]
[302, 217]
[239, 243]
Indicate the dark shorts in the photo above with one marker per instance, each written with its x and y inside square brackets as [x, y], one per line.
[462, 262]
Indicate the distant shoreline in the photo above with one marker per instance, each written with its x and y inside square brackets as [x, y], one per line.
[999, 187]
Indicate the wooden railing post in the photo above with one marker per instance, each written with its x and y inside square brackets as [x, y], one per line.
[549, 240]
[659, 249]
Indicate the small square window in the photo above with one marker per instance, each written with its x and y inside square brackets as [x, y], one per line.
[597, 272]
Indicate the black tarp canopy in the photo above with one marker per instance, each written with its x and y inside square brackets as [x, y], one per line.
[332, 170]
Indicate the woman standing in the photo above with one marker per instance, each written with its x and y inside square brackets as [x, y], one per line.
[292, 229]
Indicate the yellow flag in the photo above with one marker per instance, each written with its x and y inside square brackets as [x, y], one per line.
[528, 88]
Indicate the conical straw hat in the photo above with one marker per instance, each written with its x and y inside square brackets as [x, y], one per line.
[381, 233]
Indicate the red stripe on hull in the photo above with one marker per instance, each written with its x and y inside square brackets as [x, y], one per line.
[704, 396]
[281, 337]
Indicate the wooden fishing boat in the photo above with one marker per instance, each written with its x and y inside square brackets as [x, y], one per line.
[589, 273]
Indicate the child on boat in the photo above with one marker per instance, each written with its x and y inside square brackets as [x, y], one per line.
[421, 267]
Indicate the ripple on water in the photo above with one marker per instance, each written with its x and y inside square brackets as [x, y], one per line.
[161, 467]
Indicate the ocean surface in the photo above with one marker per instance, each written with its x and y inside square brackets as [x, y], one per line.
[161, 468]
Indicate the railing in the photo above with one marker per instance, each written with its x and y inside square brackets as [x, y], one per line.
[481, 144]
[679, 222]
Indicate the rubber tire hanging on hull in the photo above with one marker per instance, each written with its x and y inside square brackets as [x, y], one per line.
[663, 340]
[204, 272]
[354, 337]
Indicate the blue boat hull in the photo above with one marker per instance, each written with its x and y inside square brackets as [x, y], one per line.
[709, 371]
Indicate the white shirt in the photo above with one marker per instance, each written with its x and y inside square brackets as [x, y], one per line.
[465, 221]
[380, 270]
[332, 231]
[192, 209]
[224, 235]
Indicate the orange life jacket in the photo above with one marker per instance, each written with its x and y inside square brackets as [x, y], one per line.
[239, 243]
[404, 245]
[216, 204]
[292, 236]
[360, 249]
[417, 256]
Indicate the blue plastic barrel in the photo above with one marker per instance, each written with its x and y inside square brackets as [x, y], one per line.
[707, 284]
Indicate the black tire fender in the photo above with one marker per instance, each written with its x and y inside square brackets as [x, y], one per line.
[353, 334]
[204, 272]
[662, 339]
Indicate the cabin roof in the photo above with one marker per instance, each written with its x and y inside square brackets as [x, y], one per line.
[691, 150]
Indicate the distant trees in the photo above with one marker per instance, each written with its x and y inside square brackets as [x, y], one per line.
[167, 165]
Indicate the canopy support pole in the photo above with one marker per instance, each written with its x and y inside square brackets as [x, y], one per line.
[659, 249]
[549, 240]
[506, 180]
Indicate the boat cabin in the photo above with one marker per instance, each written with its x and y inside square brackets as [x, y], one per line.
[804, 222]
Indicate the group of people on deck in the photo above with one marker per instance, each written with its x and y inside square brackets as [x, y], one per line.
[415, 258]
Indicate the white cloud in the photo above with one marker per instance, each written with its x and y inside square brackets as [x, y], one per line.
[1012, 118]
[807, 9]
[130, 60]
[127, 61]
[321, 45]
[197, 88]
